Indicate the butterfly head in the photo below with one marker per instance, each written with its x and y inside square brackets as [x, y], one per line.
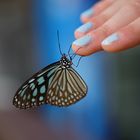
[65, 62]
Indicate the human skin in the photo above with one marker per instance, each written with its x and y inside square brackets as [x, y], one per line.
[110, 25]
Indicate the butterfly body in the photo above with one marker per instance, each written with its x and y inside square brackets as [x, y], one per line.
[57, 84]
[65, 62]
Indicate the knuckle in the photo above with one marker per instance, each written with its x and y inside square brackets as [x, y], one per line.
[99, 20]
[99, 5]
[136, 3]
[134, 8]
[129, 30]
[103, 17]
[105, 29]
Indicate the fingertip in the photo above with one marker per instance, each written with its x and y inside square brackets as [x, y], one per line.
[109, 42]
[80, 50]
[84, 29]
[74, 48]
[84, 19]
[87, 15]
[78, 34]
[80, 45]
[77, 50]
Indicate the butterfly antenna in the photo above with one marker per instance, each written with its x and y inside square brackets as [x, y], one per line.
[69, 52]
[59, 42]
[79, 61]
[74, 54]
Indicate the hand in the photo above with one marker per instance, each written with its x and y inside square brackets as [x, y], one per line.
[110, 25]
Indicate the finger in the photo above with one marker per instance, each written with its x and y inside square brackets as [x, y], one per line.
[98, 20]
[127, 37]
[87, 44]
[96, 37]
[95, 10]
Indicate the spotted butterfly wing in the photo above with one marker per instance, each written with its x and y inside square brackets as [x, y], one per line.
[33, 91]
[57, 84]
[66, 88]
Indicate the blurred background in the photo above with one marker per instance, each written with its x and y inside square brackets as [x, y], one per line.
[28, 42]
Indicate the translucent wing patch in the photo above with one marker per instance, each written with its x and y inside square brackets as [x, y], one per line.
[33, 92]
[66, 88]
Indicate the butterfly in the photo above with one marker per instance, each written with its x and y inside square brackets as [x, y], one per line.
[57, 84]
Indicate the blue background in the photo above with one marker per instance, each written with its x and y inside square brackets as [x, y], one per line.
[90, 115]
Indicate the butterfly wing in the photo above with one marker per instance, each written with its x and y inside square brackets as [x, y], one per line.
[66, 88]
[33, 91]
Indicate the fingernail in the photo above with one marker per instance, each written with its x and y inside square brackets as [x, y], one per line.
[88, 13]
[85, 40]
[110, 39]
[85, 28]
